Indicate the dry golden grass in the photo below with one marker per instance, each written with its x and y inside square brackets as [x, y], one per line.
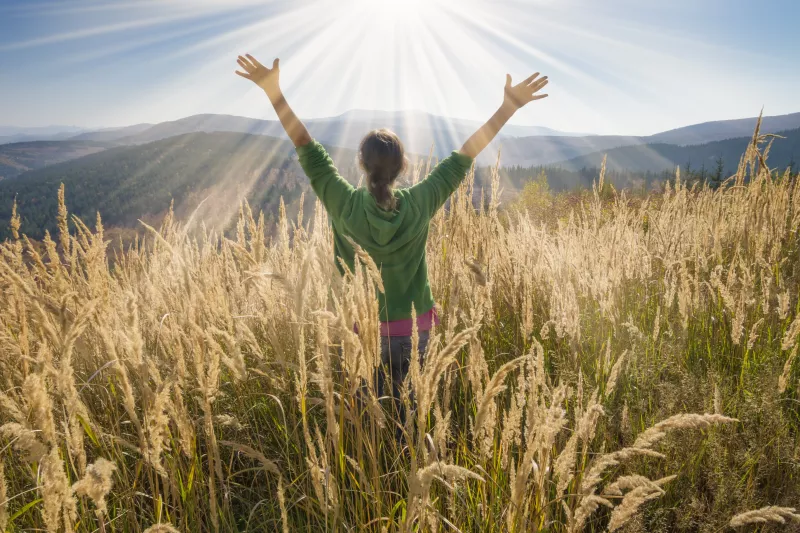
[197, 383]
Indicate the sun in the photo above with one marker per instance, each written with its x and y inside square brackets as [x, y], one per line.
[400, 5]
[392, 11]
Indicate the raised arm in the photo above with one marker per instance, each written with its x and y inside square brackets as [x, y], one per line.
[268, 80]
[332, 189]
[515, 97]
[432, 192]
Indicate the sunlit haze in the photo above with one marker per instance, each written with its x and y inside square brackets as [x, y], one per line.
[617, 66]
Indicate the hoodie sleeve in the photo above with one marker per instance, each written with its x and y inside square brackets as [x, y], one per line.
[329, 186]
[432, 192]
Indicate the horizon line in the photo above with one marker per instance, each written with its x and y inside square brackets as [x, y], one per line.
[85, 129]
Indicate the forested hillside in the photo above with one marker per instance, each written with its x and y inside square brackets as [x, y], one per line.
[128, 183]
[658, 157]
[16, 158]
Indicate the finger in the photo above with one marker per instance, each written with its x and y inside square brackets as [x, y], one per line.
[530, 78]
[245, 65]
[539, 85]
[254, 61]
[539, 96]
[242, 74]
[508, 80]
[275, 64]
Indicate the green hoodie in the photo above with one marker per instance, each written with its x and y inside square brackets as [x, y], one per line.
[396, 240]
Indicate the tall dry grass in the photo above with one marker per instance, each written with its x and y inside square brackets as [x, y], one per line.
[631, 367]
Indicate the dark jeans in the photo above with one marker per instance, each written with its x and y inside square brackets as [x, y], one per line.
[395, 360]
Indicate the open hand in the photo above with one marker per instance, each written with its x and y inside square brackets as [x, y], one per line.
[266, 78]
[525, 92]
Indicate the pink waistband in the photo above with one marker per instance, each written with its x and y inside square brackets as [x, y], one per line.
[403, 328]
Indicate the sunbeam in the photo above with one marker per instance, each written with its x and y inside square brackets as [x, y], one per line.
[444, 57]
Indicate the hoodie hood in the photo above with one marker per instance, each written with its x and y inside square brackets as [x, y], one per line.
[385, 227]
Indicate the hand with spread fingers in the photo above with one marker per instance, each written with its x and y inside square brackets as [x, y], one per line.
[269, 80]
[517, 96]
[266, 78]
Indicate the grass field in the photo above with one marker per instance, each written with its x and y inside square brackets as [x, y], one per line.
[627, 365]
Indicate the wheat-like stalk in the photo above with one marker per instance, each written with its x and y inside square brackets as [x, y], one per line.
[97, 483]
[493, 388]
[641, 489]
[770, 513]
[783, 380]
[651, 436]
[60, 507]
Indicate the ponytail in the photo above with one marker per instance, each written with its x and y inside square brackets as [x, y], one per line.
[382, 157]
[380, 186]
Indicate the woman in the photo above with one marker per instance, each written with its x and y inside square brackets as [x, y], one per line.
[389, 224]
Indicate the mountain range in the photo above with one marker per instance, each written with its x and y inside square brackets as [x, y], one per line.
[657, 157]
[421, 132]
[132, 172]
[419, 128]
[215, 171]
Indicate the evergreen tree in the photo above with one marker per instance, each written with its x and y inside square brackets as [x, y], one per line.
[718, 175]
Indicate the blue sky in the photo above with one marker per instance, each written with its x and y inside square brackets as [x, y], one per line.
[616, 66]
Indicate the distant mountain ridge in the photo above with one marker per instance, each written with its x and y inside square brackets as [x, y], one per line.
[6, 131]
[418, 130]
[111, 134]
[18, 158]
[33, 137]
[519, 145]
[658, 157]
[543, 150]
[9, 134]
[725, 129]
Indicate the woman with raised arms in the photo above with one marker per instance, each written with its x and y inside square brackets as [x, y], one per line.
[389, 223]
